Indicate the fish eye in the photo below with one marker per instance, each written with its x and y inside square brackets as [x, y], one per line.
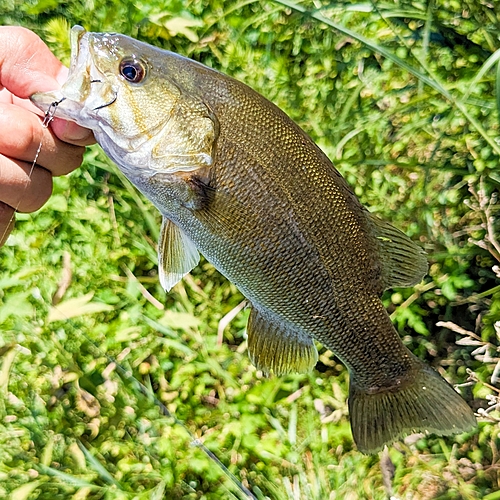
[132, 70]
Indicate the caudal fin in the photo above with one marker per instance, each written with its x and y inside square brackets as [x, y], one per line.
[424, 402]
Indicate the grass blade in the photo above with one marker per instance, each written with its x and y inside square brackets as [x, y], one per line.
[23, 492]
[98, 467]
[426, 39]
[497, 89]
[67, 478]
[488, 64]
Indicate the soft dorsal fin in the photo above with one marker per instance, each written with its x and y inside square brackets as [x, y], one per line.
[404, 263]
[177, 255]
[273, 346]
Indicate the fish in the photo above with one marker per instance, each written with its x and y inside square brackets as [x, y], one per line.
[236, 180]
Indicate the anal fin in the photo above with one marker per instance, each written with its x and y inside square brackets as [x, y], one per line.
[274, 346]
[177, 255]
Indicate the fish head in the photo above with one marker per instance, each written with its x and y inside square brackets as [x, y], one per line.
[142, 103]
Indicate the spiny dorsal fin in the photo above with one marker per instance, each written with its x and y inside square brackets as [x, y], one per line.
[404, 263]
[177, 255]
[276, 347]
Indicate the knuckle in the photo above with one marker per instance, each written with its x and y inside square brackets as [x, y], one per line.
[69, 161]
[38, 192]
[27, 140]
[6, 212]
[25, 134]
[7, 221]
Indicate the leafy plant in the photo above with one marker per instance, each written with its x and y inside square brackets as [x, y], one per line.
[109, 387]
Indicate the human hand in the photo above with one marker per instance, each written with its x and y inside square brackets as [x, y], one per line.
[27, 66]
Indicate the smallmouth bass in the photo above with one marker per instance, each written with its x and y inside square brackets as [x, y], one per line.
[237, 180]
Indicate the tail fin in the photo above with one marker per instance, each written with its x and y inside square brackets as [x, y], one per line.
[424, 402]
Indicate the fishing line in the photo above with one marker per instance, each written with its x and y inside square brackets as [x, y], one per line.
[127, 375]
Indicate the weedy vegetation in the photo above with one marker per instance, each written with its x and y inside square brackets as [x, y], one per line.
[404, 97]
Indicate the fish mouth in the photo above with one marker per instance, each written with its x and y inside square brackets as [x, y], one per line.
[74, 100]
[71, 93]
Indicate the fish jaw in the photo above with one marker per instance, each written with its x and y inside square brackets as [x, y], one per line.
[79, 100]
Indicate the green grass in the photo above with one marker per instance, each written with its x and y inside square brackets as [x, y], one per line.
[108, 385]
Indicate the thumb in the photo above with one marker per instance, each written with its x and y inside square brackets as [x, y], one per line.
[26, 63]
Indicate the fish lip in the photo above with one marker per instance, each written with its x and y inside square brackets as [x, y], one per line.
[70, 101]
[72, 98]
[64, 108]
[77, 35]
[42, 100]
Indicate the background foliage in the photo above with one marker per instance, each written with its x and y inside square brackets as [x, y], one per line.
[403, 96]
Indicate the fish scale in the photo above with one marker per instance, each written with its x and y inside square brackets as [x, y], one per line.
[237, 180]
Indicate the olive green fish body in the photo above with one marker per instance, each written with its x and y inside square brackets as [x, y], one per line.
[238, 181]
[285, 240]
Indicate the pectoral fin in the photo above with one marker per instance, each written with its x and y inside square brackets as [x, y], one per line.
[177, 255]
[404, 263]
[276, 347]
